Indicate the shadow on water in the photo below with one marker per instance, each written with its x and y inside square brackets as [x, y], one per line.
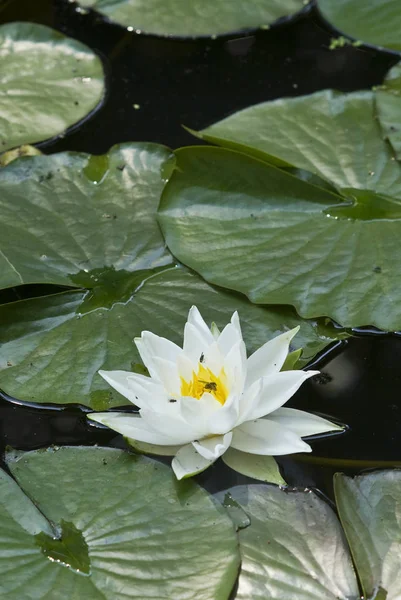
[154, 86]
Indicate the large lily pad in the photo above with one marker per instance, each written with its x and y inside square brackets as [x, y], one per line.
[294, 548]
[52, 347]
[48, 82]
[335, 136]
[370, 511]
[66, 216]
[376, 22]
[194, 18]
[101, 524]
[388, 106]
[251, 227]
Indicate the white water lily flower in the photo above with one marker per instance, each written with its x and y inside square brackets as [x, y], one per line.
[207, 396]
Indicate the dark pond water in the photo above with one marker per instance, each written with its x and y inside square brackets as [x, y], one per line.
[156, 85]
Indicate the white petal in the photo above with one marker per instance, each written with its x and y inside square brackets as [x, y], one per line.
[178, 430]
[197, 412]
[167, 374]
[276, 390]
[143, 448]
[270, 357]
[147, 358]
[213, 447]
[188, 462]
[196, 319]
[132, 426]
[226, 417]
[186, 367]
[213, 358]
[119, 381]
[195, 344]
[266, 437]
[301, 422]
[215, 330]
[235, 365]
[160, 346]
[148, 393]
[230, 335]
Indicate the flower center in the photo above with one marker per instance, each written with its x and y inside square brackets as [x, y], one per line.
[205, 381]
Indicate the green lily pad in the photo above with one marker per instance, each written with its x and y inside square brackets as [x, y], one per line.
[332, 135]
[375, 22]
[388, 106]
[123, 528]
[50, 350]
[195, 18]
[251, 227]
[369, 507]
[74, 219]
[294, 548]
[48, 82]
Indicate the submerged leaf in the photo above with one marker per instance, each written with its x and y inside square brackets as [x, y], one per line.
[196, 17]
[48, 82]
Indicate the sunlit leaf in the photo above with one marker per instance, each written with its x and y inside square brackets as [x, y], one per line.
[195, 17]
[375, 22]
[48, 82]
[294, 548]
[370, 507]
[253, 228]
[101, 524]
[52, 347]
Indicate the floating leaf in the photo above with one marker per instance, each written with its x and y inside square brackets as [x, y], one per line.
[335, 136]
[48, 82]
[79, 220]
[259, 467]
[194, 18]
[122, 528]
[375, 22]
[388, 106]
[253, 228]
[51, 350]
[370, 507]
[294, 548]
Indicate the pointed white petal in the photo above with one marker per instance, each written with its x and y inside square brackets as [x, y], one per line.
[186, 367]
[132, 426]
[301, 422]
[178, 430]
[195, 344]
[213, 447]
[215, 330]
[270, 357]
[230, 335]
[226, 417]
[188, 462]
[167, 374]
[160, 346]
[147, 358]
[119, 381]
[235, 365]
[266, 437]
[276, 390]
[197, 412]
[213, 358]
[196, 319]
[148, 393]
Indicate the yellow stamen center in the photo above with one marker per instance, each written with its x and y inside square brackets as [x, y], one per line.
[206, 381]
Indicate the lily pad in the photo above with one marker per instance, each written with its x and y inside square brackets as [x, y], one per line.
[123, 529]
[376, 22]
[333, 135]
[251, 227]
[195, 18]
[74, 219]
[48, 82]
[370, 507]
[294, 548]
[52, 347]
[388, 106]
